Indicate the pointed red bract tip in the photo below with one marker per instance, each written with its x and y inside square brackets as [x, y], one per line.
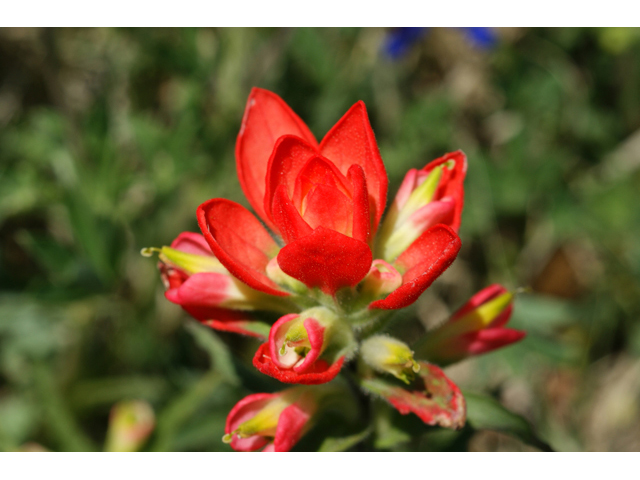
[266, 118]
[240, 242]
[352, 141]
[452, 182]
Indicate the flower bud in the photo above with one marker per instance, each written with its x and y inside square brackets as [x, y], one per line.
[381, 280]
[306, 348]
[275, 273]
[474, 329]
[197, 281]
[274, 421]
[426, 197]
[386, 354]
[130, 424]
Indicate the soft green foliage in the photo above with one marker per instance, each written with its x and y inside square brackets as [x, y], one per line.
[110, 139]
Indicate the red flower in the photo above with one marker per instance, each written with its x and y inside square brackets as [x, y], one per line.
[199, 283]
[326, 201]
[426, 197]
[476, 328]
[295, 351]
[275, 421]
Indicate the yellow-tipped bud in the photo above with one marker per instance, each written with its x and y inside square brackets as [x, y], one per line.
[381, 280]
[189, 262]
[415, 209]
[130, 424]
[478, 318]
[386, 354]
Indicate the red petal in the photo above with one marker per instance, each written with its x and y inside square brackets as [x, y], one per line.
[290, 428]
[452, 182]
[439, 211]
[315, 334]
[286, 216]
[484, 341]
[239, 241]
[321, 372]
[423, 262]
[289, 156]
[190, 242]
[171, 277]
[351, 141]
[205, 289]
[361, 218]
[318, 171]
[438, 401]
[203, 313]
[328, 207]
[315, 331]
[326, 259]
[266, 118]
[227, 320]
[244, 410]
[275, 334]
[243, 327]
[483, 296]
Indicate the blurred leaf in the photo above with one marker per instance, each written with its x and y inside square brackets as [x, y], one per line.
[172, 418]
[17, 421]
[485, 413]
[221, 360]
[58, 416]
[345, 443]
[388, 435]
[106, 391]
[537, 313]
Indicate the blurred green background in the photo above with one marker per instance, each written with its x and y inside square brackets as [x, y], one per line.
[110, 139]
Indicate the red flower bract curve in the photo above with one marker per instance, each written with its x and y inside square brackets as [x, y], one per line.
[308, 193]
[197, 282]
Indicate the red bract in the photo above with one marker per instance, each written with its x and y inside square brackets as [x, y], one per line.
[476, 328]
[420, 264]
[295, 351]
[325, 200]
[197, 282]
[435, 398]
[321, 372]
[274, 421]
[450, 187]
[493, 335]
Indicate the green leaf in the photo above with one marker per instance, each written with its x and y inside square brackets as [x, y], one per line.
[343, 444]
[388, 435]
[485, 413]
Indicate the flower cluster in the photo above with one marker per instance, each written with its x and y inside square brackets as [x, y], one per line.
[334, 270]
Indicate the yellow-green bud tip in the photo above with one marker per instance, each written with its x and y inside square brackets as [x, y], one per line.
[227, 438]
[416, 366]
[149, 251]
